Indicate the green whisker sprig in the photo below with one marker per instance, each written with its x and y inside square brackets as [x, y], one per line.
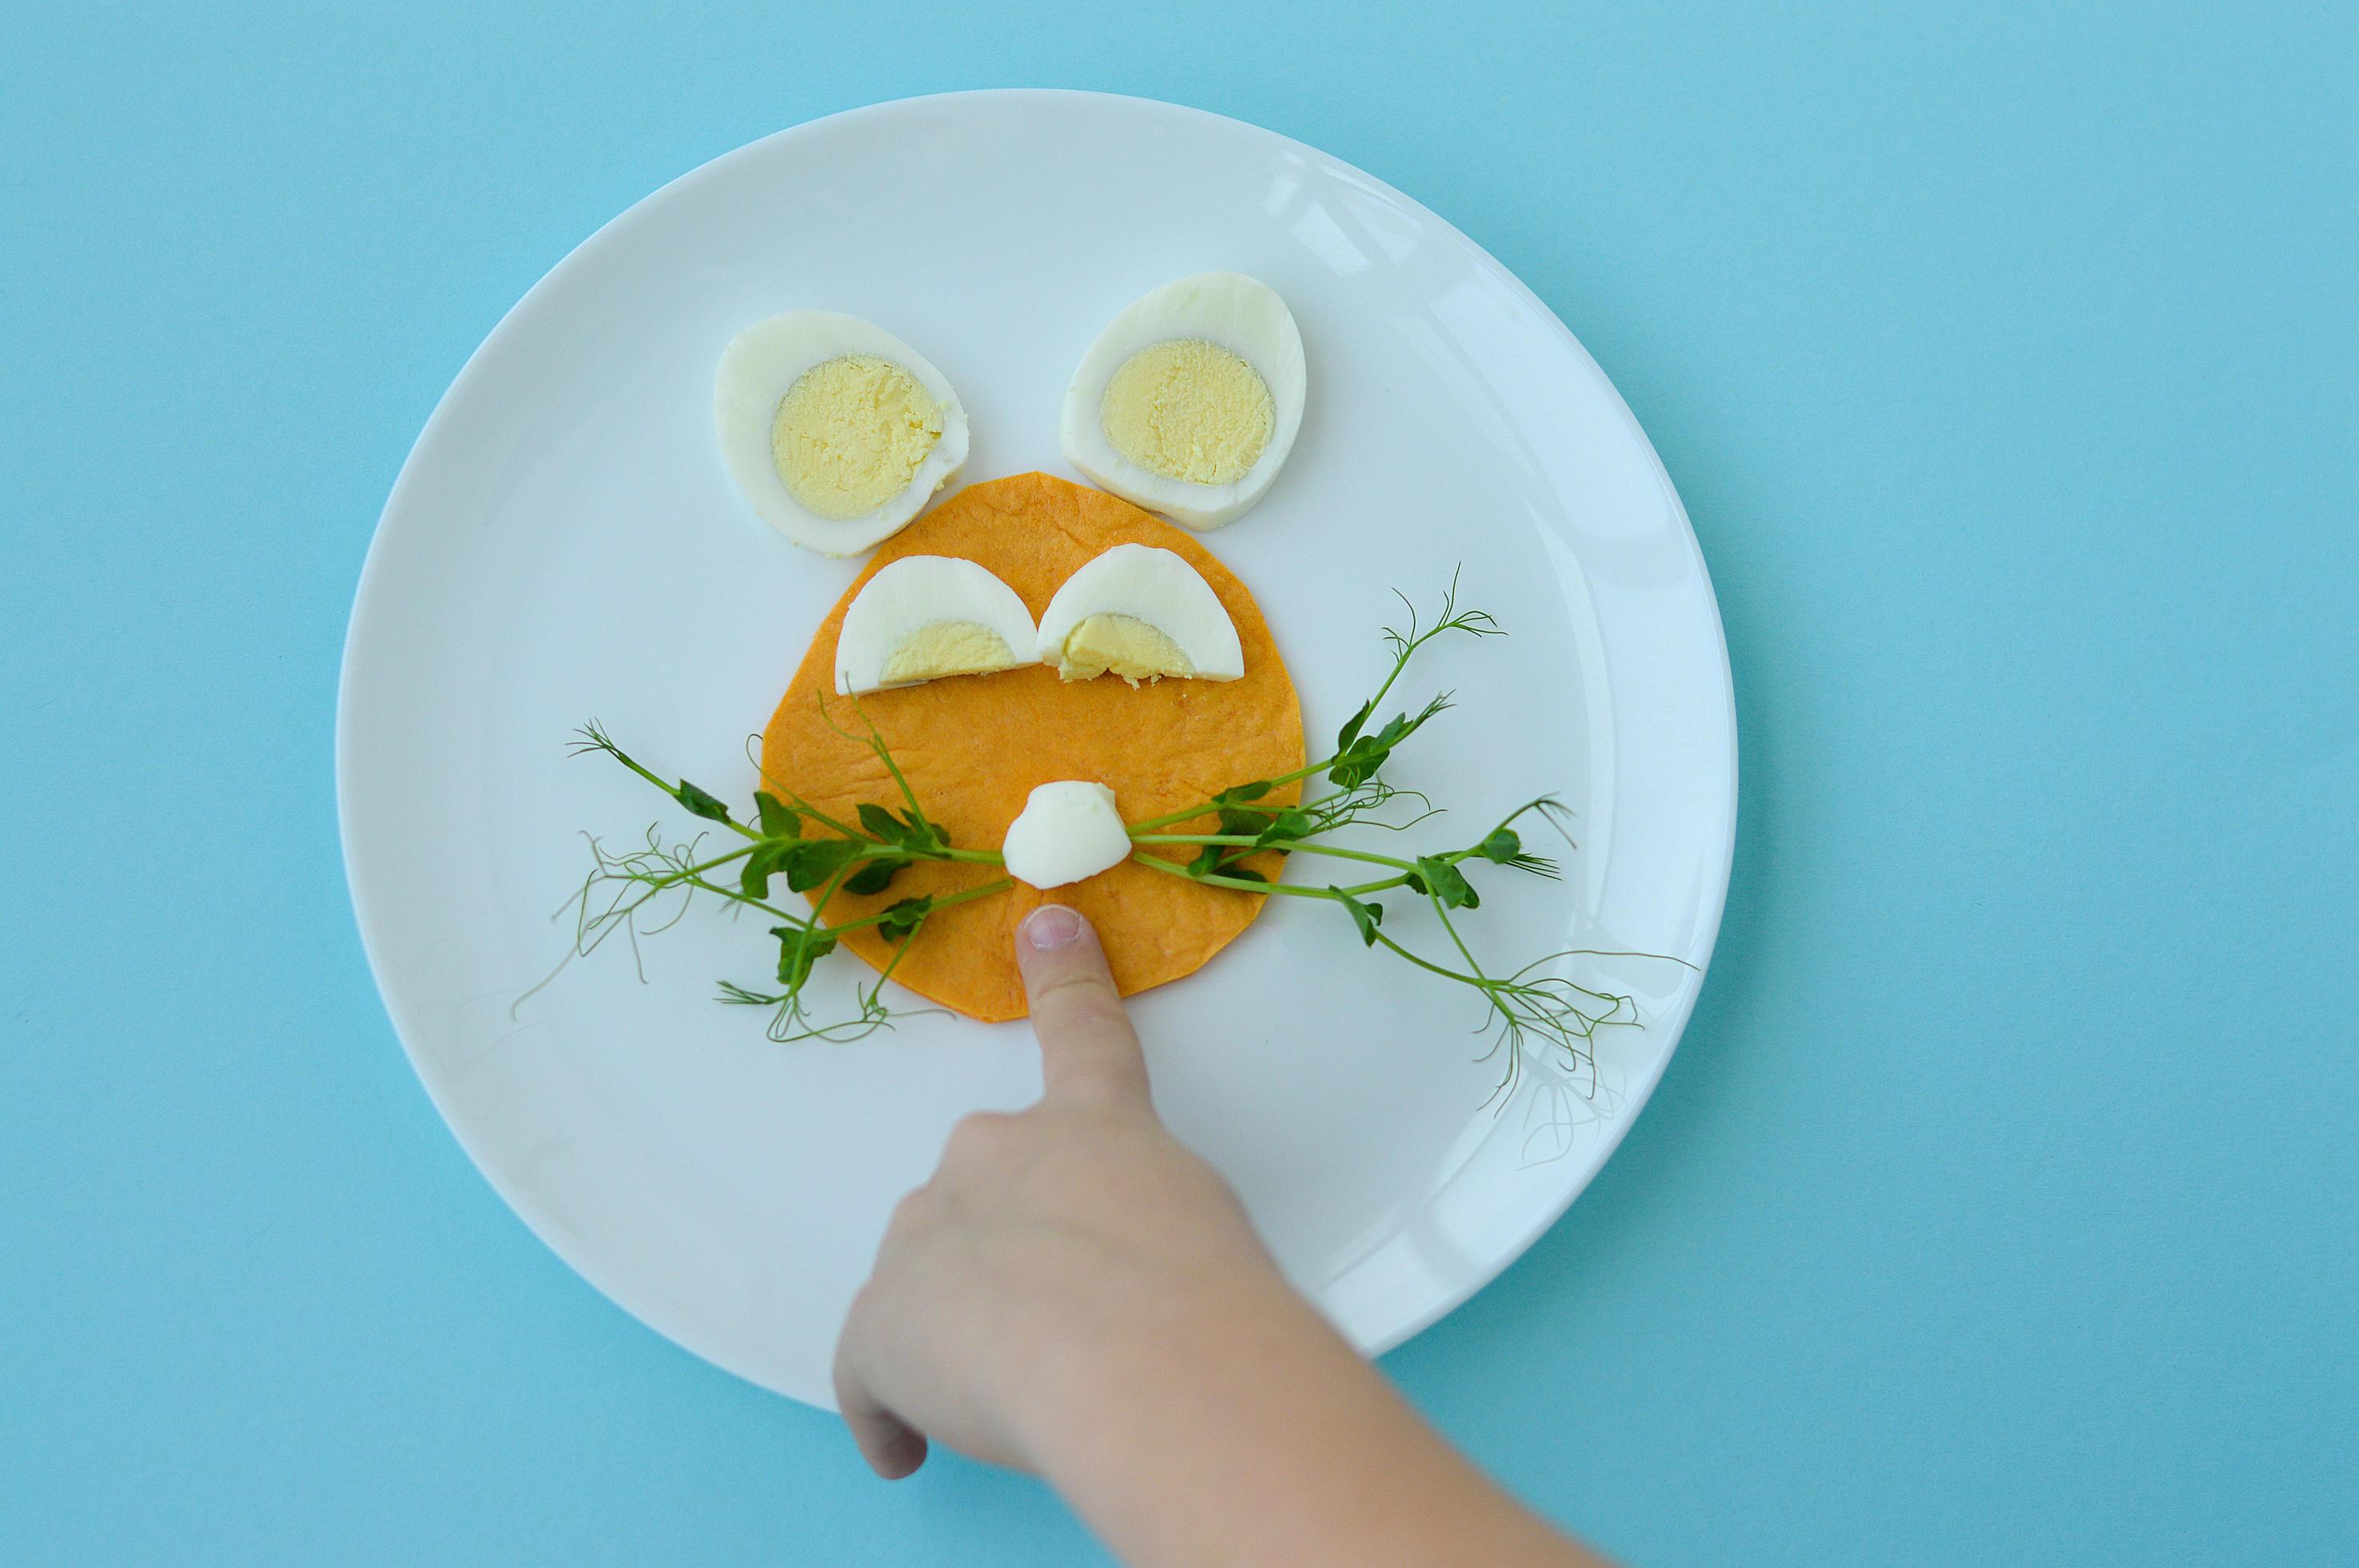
[785, 839]
[647, 889]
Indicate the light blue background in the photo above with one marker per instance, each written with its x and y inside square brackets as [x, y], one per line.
[2000, 1206]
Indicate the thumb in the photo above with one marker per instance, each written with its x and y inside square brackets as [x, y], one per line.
[1088, 1049]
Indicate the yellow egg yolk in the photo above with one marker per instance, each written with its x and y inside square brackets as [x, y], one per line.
[850, 433]
[1189, 410]
[1128, 646]
[948, 648]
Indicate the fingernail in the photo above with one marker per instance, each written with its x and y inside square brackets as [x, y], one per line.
[1051, 926]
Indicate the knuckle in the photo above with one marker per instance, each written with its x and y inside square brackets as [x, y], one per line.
[916, 1207]
[1103, 1086]
[1073, 989]
[1092, 1022]
[977, 1135]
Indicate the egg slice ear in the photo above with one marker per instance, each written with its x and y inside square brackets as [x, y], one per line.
[836, 431]
[1143, 613]
[925, 617]
[1189, 401]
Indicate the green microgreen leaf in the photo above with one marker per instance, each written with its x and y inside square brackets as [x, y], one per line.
[778, 819]
[699, 804]
[1358, 761]
[1365, 915]
[799, 948]
[809, 862]
[1445, 882]
[1355, 761]
[638, 889]
[1243, 822]
[1350, 731]
[912, 831]
[1502, 848]
[1291, 823]
[760, 867]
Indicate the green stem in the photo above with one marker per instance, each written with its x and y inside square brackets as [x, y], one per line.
[841, 829]
[819, 905]
[739, 895]
[1441, 913]
[1479, 983]
[1207, 807]
[1171, 869]
[670, 789]
[1360, 890]
[899, 952]
[983, 890]
[877, 850]
[1490, 988]
[884, 754]
[1291, 845]
[1490, 993]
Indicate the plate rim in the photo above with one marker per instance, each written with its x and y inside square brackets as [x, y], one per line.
[368, 590]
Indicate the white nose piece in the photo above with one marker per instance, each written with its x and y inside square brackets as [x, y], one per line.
[1067, 831]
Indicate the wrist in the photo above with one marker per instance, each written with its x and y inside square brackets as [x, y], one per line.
[1204, 1418]
[1233, 1423]
[1127, 1376]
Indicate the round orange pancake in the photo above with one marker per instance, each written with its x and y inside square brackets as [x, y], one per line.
[972, 747]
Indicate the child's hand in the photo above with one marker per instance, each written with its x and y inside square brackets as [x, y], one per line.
[1051, 1247]
[1076, 1293]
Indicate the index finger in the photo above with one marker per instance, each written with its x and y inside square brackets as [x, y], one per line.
[1088, 1048]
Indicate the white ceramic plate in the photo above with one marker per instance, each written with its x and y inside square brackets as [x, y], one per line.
[563, 543]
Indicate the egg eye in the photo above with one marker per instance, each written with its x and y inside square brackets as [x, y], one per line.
[926, 617]
[1142, 614]
[1126, 645]
[850, 433]
[946, 648]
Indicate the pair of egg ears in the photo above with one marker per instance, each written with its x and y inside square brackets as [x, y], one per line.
[1228, 310]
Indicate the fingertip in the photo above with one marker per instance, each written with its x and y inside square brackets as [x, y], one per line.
[1087, 1044]
[1050, 927]
[896, 1452]
[892, 1447]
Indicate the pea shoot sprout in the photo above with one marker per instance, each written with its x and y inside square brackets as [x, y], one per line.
[648, 887]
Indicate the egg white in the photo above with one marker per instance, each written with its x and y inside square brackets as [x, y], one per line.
[1240, 314]
[1067, 831]
[909, 595]
[761, 364]
[1152, 585]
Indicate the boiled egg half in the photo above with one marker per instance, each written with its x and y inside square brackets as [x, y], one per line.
[1067, 831]
[836, 431]
[1189, 401]
[922, 617]
[1143, 613]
